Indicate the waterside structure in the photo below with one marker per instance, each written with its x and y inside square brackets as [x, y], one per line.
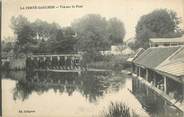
[61, 62]
[162, 70]
[157, 42]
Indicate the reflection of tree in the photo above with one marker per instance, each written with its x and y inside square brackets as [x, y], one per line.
[93, 86]
[22, 90]
[70, 89]
[90, 85]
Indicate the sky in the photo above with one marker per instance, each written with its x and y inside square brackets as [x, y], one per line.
[128, 11]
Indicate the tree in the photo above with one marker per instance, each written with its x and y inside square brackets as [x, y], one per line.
[116, 31]
[17, 23]
[157, 24]
[91, 33]
[25, 34]
[69, 41]
[32, 37]
[45, 30]
[95, 34]
[64, 41]
[45, 35]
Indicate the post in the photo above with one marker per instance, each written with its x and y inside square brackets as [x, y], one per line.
[165, 84]
[139, 71]
[154, 79]
[132, 68]
[147, 73]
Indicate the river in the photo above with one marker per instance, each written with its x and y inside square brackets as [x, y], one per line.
[48, 94]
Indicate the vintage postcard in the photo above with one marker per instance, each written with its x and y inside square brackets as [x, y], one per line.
[91, 58]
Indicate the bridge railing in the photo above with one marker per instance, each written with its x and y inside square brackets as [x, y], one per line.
[59, 61]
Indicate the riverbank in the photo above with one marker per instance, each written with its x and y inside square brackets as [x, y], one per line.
[110, 62]
[113, 62]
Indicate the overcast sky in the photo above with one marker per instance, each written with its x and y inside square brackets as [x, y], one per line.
[128, 11]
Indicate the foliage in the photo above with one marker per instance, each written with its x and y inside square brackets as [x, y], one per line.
[95, 33]
[157, 24]
[116, 31]
[132, 45]
[118, 110]
[42, 47]
[41, 37]
[24, 32]
[6, 46]
[32, 37]
[44, 30]
[91, 33]
[25, 39]
[64, 41]
[18, 23]
[112, 62]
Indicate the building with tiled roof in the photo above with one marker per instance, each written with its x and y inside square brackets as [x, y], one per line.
[162, 68]
[137, 53]
[174, 65]
[152, 57]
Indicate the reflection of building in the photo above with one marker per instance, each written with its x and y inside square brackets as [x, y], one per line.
[153, 104]
[157, 42]
[162, 69]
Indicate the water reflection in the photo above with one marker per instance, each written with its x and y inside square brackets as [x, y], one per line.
[152, 103]
[90, 85]
[87, 94]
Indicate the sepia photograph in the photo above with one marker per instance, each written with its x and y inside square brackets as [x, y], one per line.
[91, 58]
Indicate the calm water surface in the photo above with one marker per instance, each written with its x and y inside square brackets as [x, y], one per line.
[49, 94]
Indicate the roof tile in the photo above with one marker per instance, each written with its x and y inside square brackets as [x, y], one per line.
[152, 57]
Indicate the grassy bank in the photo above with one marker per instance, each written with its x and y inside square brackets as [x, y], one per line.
[113, 62]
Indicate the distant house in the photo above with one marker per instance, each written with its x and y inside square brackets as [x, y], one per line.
[116, 49]
[162, 68]
[158, 42]
[121, 50]
[127, 51]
